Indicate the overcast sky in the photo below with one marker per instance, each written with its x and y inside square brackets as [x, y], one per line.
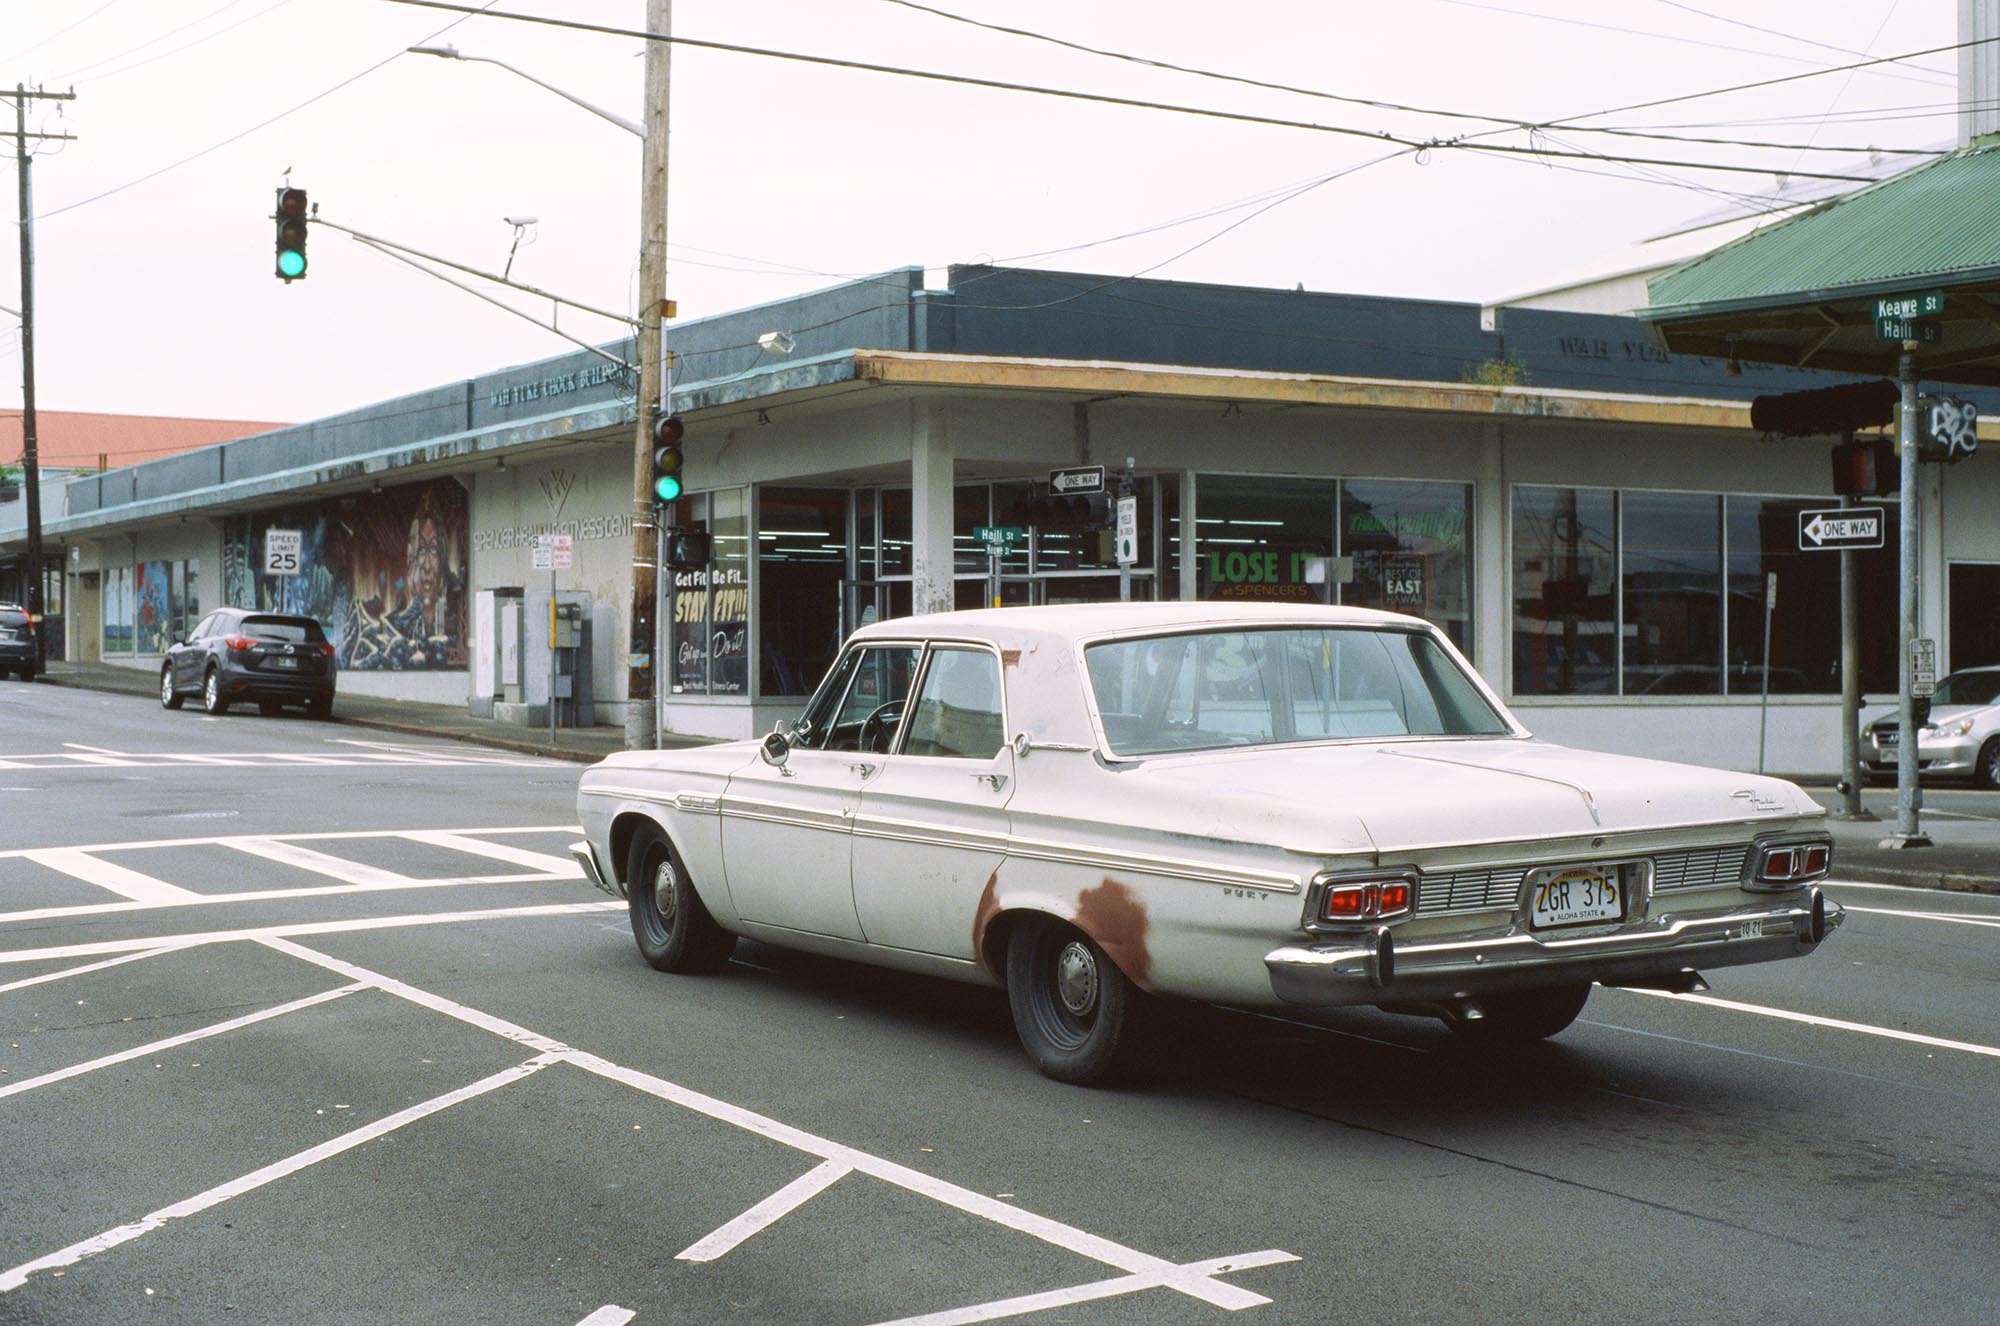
[154, 289]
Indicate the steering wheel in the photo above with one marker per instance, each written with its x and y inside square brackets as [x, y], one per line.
[879, 727]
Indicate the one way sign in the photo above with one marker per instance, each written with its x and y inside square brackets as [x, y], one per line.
[1842, 527]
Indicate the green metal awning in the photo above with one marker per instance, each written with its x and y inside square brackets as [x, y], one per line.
[1803, 292]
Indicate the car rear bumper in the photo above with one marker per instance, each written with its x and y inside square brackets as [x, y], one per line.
[1373, 969]
[242, 684]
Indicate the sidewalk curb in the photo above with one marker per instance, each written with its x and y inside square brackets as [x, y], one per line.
[1916, 877]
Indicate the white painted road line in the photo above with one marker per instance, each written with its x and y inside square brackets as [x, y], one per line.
[319, 863]
[174, 943]
[278, 895]
[609, 1315]
[171, 1042]
[68, 972]
[13, 1279]
[1157, 1271]
[767, 1212]
[1957, 918]
[515, 856]
[1813, 1020]
[1124, 1284]
[338, 835]
[80, 864]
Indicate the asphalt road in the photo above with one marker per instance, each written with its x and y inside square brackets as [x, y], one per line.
[301, 1023]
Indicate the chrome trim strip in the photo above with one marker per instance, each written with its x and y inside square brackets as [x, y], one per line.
[909, 831]
[1201, 872]
[698, 803]
[767, 812]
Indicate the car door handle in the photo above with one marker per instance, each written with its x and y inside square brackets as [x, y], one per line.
[992, 780]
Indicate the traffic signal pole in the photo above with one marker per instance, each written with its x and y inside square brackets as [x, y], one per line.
[1908, 795]
[643, 673]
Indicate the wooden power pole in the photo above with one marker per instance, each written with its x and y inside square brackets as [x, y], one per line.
[645, 675]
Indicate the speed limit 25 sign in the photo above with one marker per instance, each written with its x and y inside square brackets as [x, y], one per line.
[281, 551]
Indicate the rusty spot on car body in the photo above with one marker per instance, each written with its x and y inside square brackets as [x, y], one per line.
[982, 920]
[1112, 915]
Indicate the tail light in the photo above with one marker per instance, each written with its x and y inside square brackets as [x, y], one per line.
[239, 642]
[326, 649]
[1353, 901]
[1787, 864]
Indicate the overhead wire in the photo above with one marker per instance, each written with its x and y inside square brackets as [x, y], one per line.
[81, 70]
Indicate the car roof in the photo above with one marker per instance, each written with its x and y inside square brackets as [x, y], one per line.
[1093, 619]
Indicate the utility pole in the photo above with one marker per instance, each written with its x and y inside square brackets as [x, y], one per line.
[30, 456]
[643, 677]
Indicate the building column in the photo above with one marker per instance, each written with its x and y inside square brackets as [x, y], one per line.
[1493, 559]
[931, 555]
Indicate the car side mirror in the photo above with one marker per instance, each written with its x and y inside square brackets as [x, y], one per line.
[775, 748]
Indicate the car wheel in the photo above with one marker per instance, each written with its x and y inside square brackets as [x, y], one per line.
[673, 927]
[1077, 1015]
[169, 697]
[211, 694]
[1517, 1017]
[1986, 773]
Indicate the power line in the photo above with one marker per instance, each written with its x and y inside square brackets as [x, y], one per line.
[1789, 36]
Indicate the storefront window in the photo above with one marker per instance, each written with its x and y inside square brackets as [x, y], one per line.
[1672, 593]
[1255, 537]
[968, 512]
[709, 645]
[801, 562]
[1411, 548]
[1565, 605]
[896, 531]
[118, 610]
[1763, 536]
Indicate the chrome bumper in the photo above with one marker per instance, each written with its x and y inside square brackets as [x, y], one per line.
[1374, 969]
[587, 858]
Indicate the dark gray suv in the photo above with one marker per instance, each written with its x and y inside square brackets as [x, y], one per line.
[239, 655]
[17, 642]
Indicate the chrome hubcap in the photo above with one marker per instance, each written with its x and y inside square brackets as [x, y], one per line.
[166, 685]
[1076, 978]
[665, 896]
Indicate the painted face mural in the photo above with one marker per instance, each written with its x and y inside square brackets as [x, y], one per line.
[383, 572]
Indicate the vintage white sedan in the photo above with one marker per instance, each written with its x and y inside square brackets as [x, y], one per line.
[1253, 805]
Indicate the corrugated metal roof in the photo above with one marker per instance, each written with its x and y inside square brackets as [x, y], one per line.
[1940, 220]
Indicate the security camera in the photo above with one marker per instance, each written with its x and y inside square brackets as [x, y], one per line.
[521, 220]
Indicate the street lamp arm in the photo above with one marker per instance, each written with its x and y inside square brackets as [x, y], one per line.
[452, 53]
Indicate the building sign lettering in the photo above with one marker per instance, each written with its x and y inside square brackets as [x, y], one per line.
[615, 526]
[557, 384]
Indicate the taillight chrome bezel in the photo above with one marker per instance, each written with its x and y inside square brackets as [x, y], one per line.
[1784, 862]
[1383, 897]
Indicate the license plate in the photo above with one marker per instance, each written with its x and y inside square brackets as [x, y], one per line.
[283, 662]
[1574, 895]
[1887, 738]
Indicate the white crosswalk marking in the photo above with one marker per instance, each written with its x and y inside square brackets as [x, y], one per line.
[305, 858]
[80, 864]
[517, 856]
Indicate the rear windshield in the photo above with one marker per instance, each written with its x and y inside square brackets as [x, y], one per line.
[13, 617]
[1269, 687]
[290, 630]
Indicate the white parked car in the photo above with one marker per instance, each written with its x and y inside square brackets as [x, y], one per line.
[1962, 737]
[1252, 805]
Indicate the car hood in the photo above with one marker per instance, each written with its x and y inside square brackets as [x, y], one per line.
[1942, 714]
[1407, 796]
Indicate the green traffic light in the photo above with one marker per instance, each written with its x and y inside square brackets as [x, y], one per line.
[291, 263]
[667, 488]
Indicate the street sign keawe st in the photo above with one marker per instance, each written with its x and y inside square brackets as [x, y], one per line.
[1840, 527]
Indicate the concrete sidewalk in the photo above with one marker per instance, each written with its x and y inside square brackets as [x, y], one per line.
[1964, 857]
[451, 722]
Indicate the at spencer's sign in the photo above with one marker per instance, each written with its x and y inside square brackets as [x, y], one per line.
[554, 384]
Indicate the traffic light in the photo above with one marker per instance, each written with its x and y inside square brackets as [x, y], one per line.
[291, 220]
[689, 549]
[1058, 513]
[1866, 468]
[1836, 410]
[668, 458]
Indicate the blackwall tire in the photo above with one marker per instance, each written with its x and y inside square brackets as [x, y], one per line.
[672, 926]
[169, 697]
[1076, 1013]
[1521, 1017]
[1987, 772]
[211, 694]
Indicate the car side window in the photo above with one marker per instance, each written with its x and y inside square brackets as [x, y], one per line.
[203, 629]
[957, 712]
[861, 704]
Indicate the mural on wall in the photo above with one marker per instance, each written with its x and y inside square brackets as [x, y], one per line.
[383, 572]
[153, 613]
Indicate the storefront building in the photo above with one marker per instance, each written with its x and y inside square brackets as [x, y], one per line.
[1591, 520]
